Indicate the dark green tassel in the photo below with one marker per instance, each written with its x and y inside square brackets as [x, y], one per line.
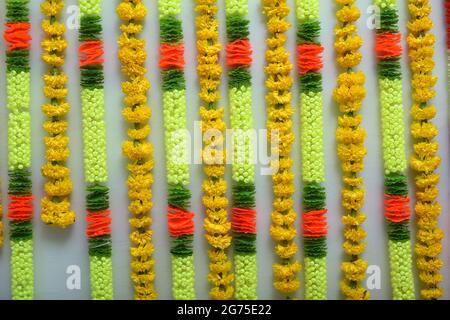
[308, 31]
[97, 198]
[20, 182]
[173, 80]
[239, 77]
[179, 196]
[237, 27]
[313, 197]
[171, 30]
[90, 28]
[182, 246]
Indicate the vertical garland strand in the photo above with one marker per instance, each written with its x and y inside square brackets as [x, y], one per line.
[396, 204]
[55, 206]
[180, 220]
[425, 160]
[137, 149]
[213, 127]
[20, 209]
[94, 137]
[309, 66]
[239, 59]
[279, 122]
[447, 20]
[349, 96]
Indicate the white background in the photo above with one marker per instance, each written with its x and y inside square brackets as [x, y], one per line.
[56, 249]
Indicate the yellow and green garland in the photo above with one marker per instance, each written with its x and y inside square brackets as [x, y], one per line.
[425, 160]
[137, 149]
[55, 206]
[213, 128]
[349, 96]
[279, 122]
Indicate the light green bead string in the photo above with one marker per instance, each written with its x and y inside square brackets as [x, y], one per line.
[392, 4]
[101, 278]
[307, 10]
[94, 134]
[392, 125]
[313, 166]
[90, 7]
[176, 137]
[19, 124]
[316, 278]
[237, 7]
[246, 276]
[22, 277]
[241, 116]
[401, 272]
[169, 7]
[183, 277]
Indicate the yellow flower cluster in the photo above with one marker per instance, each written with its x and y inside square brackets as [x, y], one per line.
[425, 159]
[349, 95]
[216, 223]
[279, 111]
[137, 149]
[55, 206]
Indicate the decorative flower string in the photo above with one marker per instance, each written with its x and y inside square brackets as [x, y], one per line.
[279, 113]
[309, 66]
[94, 136]
[239, 52]
[55, 206]
[20, 209]
[181, 223]
[396, 204]
[349, 95]
[425, 159]
[213, 127]
[447, 20]
[137, 149]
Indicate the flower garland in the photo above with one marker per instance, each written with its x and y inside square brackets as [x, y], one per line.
[425, 159]
[397, 211]
[94, 136]
[279, 113]
[309, 65]
[181, 223]
[447, 20]
[137, 150]
[55, 206]
[349, 95]
[213, 127]
[20, 209]
[239, 59]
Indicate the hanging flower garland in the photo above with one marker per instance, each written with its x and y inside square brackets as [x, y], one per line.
[55, 206]
[425, 160]
[20, 210]
[349, 96]
[279, 113]
[94, 136]
[239, 60]
[309, 66]
[180, 220]
[397, 211]
[447, 20]
[137, 150]
[213, 127]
